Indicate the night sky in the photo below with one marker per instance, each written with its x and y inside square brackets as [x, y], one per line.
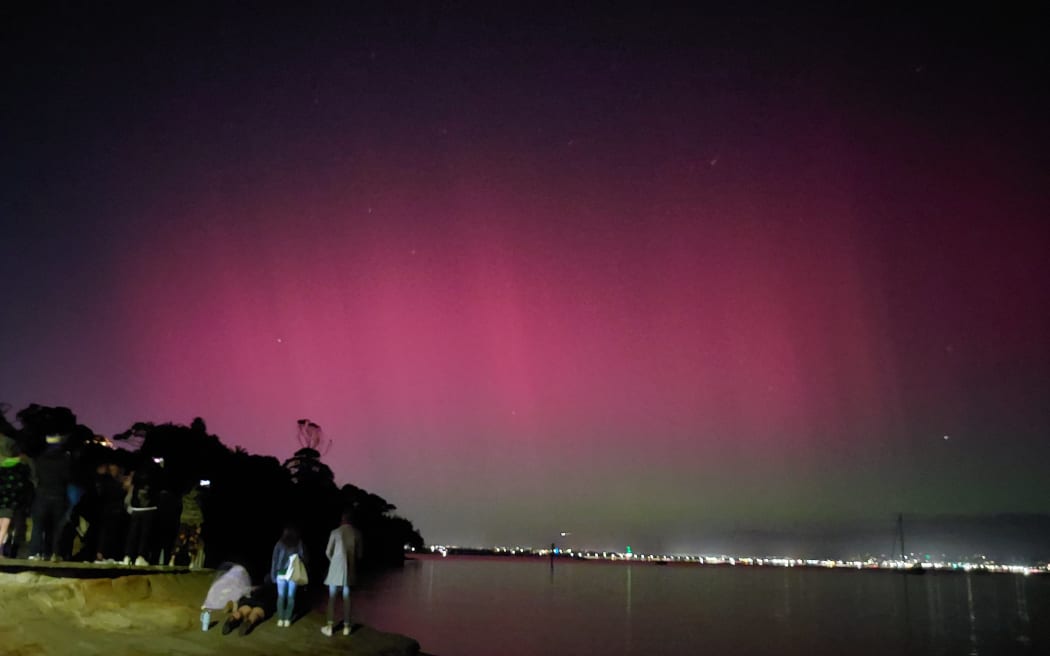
[630, 274]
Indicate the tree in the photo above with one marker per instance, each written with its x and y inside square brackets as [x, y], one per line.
[305, 466]
[250, 497]
[39, 421]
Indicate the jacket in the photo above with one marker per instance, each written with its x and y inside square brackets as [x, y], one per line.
[141, 496]
[281, 554]
[54, 471]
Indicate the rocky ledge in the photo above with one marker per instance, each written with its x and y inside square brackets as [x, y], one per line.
[153, 613]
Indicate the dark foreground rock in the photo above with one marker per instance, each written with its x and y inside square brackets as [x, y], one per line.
[153, 614]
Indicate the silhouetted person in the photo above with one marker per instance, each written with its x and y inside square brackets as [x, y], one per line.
[142, 508]
[343, 551]
[16, 491]
[166, 524]
[189, 546]
[112, 516]
[53, 474]
[81, 519]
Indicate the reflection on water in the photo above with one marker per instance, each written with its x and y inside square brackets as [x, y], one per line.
[973, 619]
[1022, 610]
[630, 633]
[481, 606]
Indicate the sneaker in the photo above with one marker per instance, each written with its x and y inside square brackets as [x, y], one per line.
[126, 561]
[346, 630]
[141, 562]
[327, 630]
[55, 558]
[36, 557]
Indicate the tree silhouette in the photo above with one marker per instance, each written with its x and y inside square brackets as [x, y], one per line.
[250, 497]
[311, 436]
[306, 469]
[39, 421]
[6, 427]
[305, 466]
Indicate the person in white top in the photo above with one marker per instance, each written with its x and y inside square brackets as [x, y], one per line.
[343, 551]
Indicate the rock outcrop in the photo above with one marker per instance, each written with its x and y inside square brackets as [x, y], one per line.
[152, 614]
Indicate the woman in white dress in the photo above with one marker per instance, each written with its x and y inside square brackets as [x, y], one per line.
[343, 551]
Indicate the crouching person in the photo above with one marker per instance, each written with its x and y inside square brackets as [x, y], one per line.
[249, 610]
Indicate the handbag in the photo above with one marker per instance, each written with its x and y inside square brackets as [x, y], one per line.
[296, 572]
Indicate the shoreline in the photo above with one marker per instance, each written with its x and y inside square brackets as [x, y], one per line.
[152, 612]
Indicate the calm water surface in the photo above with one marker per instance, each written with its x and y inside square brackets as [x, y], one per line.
[461, 606]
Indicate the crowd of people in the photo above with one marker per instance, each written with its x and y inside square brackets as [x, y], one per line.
[119, 508]
[108, 510]
[246, 605]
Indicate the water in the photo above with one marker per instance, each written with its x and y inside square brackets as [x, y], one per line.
[461, 606]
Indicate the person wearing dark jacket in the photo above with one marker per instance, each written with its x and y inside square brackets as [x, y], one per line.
[142, 507]
[289, 545]
[53, 473]
[111, 513]
[251, 609]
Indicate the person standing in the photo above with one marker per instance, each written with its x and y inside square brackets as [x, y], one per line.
[142, 507]
[189, 547]
[16, 491]
[343, 551]
[287, 547]
[54, 470]
[112, 515]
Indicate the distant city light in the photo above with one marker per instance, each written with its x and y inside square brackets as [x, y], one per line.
[911, 563]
